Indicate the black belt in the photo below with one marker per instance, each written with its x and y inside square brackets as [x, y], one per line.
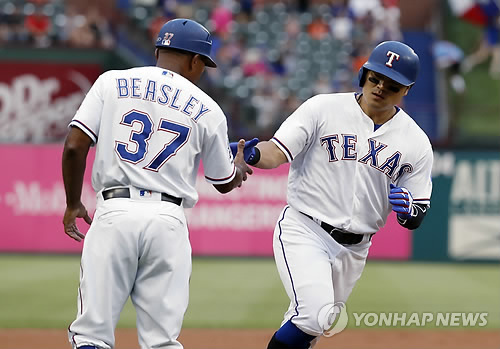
[125, 193]
[340, 235]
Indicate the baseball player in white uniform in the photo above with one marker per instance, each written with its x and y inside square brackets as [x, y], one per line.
[151, 126]
[354, 157]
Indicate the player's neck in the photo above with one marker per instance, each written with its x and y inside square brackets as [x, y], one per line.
[378, 116]
[174, 63]
[172, 66]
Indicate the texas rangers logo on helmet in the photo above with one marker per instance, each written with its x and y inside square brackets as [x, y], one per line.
[392, 56]
[166, 39]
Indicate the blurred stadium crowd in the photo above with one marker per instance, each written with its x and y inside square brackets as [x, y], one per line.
[272, 55]
[45, 23]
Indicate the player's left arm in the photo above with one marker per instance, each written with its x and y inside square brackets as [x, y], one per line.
[84, 131]
[410, 199]
[74, 159]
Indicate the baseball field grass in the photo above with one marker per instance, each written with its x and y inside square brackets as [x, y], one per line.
[40, 291]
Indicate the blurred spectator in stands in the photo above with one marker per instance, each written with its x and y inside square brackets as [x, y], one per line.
[303, 5]
[292, 26]
[39, 2]
[254, 63]
[86, 30]
[342, 80]
[172, 8]
[267, 104]
[361, 8]
[228, 58]
[38, 26]
[322, 85]
[100, 29]
[388, 24]
[123, 5]
[276, 63]
[359, 57]
[246, 8]
[341, 23]
[318, 29]
[258, 58]
[12, 29]
[147, 3]
[449, 57]
[366, 28]
[222, 19]
[488, 46]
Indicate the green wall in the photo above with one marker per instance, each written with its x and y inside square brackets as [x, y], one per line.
[463, 223]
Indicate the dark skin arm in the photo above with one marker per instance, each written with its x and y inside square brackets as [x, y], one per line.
[74, 158]
[242, 169]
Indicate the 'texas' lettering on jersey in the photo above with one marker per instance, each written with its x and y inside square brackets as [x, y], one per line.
[389, 166]
[162, 94]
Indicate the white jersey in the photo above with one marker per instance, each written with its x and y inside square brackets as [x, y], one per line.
[152, 127]
[333, 147]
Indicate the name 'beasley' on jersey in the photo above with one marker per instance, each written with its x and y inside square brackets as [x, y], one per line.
[157, 114]
[163, 94]
[151, 126]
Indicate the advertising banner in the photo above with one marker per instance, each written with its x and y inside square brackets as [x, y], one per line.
[240, 223]
[37, 100]
[474, 209]
[463, 223]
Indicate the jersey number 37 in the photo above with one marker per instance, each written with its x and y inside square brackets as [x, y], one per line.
[141, 139]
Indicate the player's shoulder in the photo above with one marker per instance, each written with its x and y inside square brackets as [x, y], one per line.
[407, 123]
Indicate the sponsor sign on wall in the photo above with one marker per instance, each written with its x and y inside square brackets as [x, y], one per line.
[37, 101]
[474, 209]
[463, 223]
[240, 223]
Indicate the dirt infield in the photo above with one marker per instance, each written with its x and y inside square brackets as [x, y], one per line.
[257, 339]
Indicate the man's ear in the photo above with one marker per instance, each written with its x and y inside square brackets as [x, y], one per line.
[408, 89]
[195, 59]
[157, 53]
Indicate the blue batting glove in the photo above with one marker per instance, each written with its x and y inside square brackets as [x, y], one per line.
[401, 201]
[248, 151]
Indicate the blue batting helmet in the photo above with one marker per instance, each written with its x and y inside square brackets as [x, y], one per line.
[393, 59]
[187, 35]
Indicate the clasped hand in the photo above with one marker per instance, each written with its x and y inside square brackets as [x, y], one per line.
[248, 151]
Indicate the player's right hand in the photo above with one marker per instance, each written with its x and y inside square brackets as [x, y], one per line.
[69, 221]
[239, 161]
